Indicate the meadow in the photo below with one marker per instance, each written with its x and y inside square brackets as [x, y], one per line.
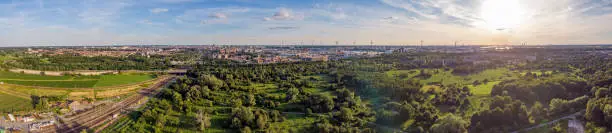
[111, 80]
[71, 81]
[10, 103]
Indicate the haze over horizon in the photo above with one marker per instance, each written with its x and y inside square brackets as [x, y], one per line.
[259, 22]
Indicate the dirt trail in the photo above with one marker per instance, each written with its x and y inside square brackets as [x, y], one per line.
[14, 93]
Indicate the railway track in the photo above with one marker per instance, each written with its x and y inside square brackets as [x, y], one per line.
[101, 114]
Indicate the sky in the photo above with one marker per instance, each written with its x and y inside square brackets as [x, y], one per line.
[307, 22]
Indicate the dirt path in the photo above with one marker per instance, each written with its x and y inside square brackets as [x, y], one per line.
[572, 116]
[17, 94]
[67, 80]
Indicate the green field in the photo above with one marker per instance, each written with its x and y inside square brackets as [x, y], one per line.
[12, 75]
[111, 80]
[483, 89]
[70, 81]
[9, 103]
[56, 84]
[447, 77]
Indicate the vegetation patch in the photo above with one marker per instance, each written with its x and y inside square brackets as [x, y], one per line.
[112, 80]
[56, 84]
[483, 89]
[10, 103]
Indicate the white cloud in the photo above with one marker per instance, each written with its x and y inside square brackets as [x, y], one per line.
[158, 10]
[218, 16]
[284, 14]
[175, 1]
[149, 22]
[102, 13]
[213, 15]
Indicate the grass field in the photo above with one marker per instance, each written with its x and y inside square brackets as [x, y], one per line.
[295, 123]
[110, 80]
[58, 84]
[70, 81]
[483, 89]
[12, 75]
[403, 74]
[447, 77]
[9, 103]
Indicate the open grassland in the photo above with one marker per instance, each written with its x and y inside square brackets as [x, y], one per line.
[402, 74]
[483, 90]
[446, 77]
[19, 76]
[101, 92]
[539, 73]
[110, 80]
[55, 84]
[296, 123]
[439, 77]
[10, 103]
[71, 81]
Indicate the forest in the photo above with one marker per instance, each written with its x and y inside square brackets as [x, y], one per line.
[393, 93]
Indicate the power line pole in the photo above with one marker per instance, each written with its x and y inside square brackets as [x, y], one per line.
[421, 44]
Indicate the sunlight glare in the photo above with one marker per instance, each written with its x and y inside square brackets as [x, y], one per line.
[502, 14]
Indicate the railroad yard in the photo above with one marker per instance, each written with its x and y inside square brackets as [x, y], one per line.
[97, 114]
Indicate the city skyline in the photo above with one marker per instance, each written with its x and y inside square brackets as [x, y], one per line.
[275, 22]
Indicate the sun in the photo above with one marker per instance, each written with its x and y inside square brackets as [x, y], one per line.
[502, 14]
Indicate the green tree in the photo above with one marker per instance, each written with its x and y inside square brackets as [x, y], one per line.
[450, 124]
[250, 100]
[537, 112]
[203, 120]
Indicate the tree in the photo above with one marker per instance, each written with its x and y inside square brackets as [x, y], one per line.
[242, 116]
[262, 122]
[292, 93]
[276, 116]
[346, 115]
[449, 124]
[237, 103]
[204, 120]
[250, 100]
[160, 120]
[213, 82]
[246, 130]
[320, 103]
[537, 112]
[177, 98]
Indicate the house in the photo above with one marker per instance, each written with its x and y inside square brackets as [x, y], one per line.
[11, 117]
[28, 119]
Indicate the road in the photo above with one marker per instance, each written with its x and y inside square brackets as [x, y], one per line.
[395, 130]
[572, 116]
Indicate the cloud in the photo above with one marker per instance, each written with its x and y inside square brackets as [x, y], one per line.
[218, 16]
[401, 21]
[391, 18]
[283, 28]
[284, 14]
[158, 10]
[460, 12]
[175, 1]
[102, 13]
[149, 22]
[211, 15]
